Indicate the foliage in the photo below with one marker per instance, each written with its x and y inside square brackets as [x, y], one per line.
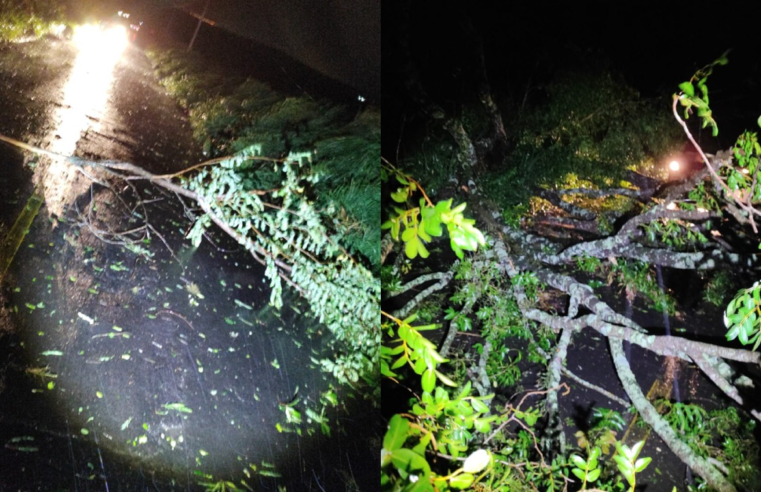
[687, 419]
[742, 178]
[676, 233]
[702, 198]
[628, 464]
[637, 278]
[29, 18]
[294, 237]
[739, 449]
[743, 316]
[591, 125]
[348, 162]
[305, 213]
[586, 470]
[512, 215]
[420, 223]
[588, 264]
[231, 115]
[414, 350]
[449, 423]
[739, 184]
[390, 280]
[724, 435]
[602, 430]
[446, 422]
[186, 75]
[715, 291]
[500, 317]
[688, 99]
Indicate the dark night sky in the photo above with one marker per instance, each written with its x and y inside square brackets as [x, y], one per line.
[654, 46]
[340, 38]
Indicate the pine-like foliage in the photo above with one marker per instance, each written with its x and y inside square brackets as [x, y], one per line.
[319, 231]
[300, 245]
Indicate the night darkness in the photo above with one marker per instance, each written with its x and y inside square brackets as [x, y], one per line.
[653, 48]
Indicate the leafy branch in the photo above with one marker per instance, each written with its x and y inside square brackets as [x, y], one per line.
[425, 221]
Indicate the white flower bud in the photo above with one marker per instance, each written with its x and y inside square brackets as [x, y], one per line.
[477, 461]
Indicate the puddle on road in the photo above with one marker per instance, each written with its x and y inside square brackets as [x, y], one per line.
[179, 366]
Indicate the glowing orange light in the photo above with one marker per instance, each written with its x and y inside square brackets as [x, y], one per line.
[674, 165]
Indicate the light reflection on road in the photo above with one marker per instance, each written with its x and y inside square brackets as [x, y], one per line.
[85, 99]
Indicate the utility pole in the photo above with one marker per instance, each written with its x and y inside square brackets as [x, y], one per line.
[198, 26]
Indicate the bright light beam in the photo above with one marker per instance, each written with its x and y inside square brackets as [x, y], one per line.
[674, 165]
[85, 98]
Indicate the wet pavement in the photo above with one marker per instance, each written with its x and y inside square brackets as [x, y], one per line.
[155, 371]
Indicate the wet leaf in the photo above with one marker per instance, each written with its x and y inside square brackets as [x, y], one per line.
[180, 407]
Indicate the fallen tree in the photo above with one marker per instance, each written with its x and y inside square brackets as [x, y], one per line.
[266, 206]
[506, 287]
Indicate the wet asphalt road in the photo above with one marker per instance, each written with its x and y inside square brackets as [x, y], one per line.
[139, 123]
[40, 431]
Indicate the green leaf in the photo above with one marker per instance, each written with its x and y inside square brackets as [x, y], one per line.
[621, 462]
[421, 232]
[457, 250]
[433, 225]
[398, 427]
[429, 380]
[422, 249]
[409, 234]
[461, 481]
[400, 195]
[410, 249]
[465, 391]
[407, 460]
[446, 380]
[479, 406]
[419, 366]
[482, 425]
[423, 444]
[635, 450]
[642, 463]
[579, 461]
[580, 474]
[732, 333]
[593, 475]
[398, 363]
[687, 88]
[742, 336]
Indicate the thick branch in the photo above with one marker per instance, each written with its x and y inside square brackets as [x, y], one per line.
[650, 415]
[443, 279]
[555, 368]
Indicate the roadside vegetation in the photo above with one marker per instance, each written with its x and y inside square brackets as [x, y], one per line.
[33, 18]
[329, 181]
[230, 114]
